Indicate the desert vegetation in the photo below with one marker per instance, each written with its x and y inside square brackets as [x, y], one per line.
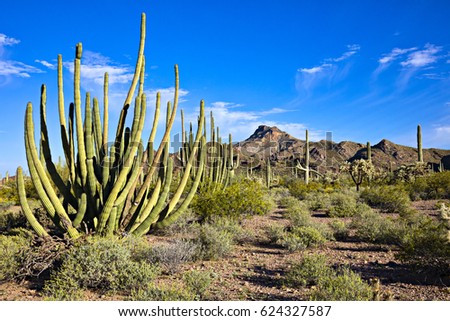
[132, 221]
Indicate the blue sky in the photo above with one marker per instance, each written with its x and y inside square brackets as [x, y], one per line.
[364, 70]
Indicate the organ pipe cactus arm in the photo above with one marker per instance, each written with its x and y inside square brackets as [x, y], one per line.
[35, 225]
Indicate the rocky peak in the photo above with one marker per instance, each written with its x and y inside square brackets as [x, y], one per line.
[268, 133]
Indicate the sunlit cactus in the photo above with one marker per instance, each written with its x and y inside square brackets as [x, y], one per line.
[122, 189]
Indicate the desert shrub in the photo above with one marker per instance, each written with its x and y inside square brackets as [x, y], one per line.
[309, 271]
[388, 198]
[163, 292]
[289, 201]
[299, 215]
[8, 192]
[102, 264]
[198, 283]
[41, 257]
[339, 229]
[244, 197]
[300, 190]
[183, 225]
[425, 243]
[343, 205]
[343, 285]
[275, 233]
[10, 249]
[214, 242]
[172, 255]
[300, 238]
[318, 200]
[279, 193]
[431, 186]
[374, 227]
[10, 220]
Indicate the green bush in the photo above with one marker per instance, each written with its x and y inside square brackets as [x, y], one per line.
[317, 200]
[345, 285]
[244, 197]
[300, 190]
[309, 271]
[214, 242]
[388, 198]
[339, 229]
[101, 264]
[300, 238]
[343, 205]
[275, 233]
[198, 282]
[162, 292]
[425, 243]
[431, 186]
[279, 193]
[374, 227]
[10, 249]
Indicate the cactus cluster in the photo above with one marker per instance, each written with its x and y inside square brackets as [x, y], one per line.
[122, 188]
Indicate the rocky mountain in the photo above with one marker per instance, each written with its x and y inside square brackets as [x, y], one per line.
[284, 149]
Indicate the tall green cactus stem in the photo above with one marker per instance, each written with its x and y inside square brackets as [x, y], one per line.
[109, 191]
[369, 152]
[307, 170]
[35, 225]
[419, 144]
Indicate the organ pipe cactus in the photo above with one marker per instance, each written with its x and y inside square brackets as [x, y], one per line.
[122, 189]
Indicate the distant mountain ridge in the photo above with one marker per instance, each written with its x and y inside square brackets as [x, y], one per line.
[279, 146]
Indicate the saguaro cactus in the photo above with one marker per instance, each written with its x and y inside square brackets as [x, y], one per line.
[108, 190]
[419, 144]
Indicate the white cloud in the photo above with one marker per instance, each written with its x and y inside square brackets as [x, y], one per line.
[422, 58]
[315, 70]
[440, 137]
[17, 69]
[94, 65]
[394, 54]
[331, 69]
[7, 41]
[11, 68]
[352, 49]
[46, 64]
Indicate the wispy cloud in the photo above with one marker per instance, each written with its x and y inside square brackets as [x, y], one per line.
[17, 69]
[46, 64]
[422, 58]
[393, 55]
[329, 69]
[351, 50]
[12, 68]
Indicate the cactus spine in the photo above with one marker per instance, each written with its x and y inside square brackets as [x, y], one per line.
[108, 191]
